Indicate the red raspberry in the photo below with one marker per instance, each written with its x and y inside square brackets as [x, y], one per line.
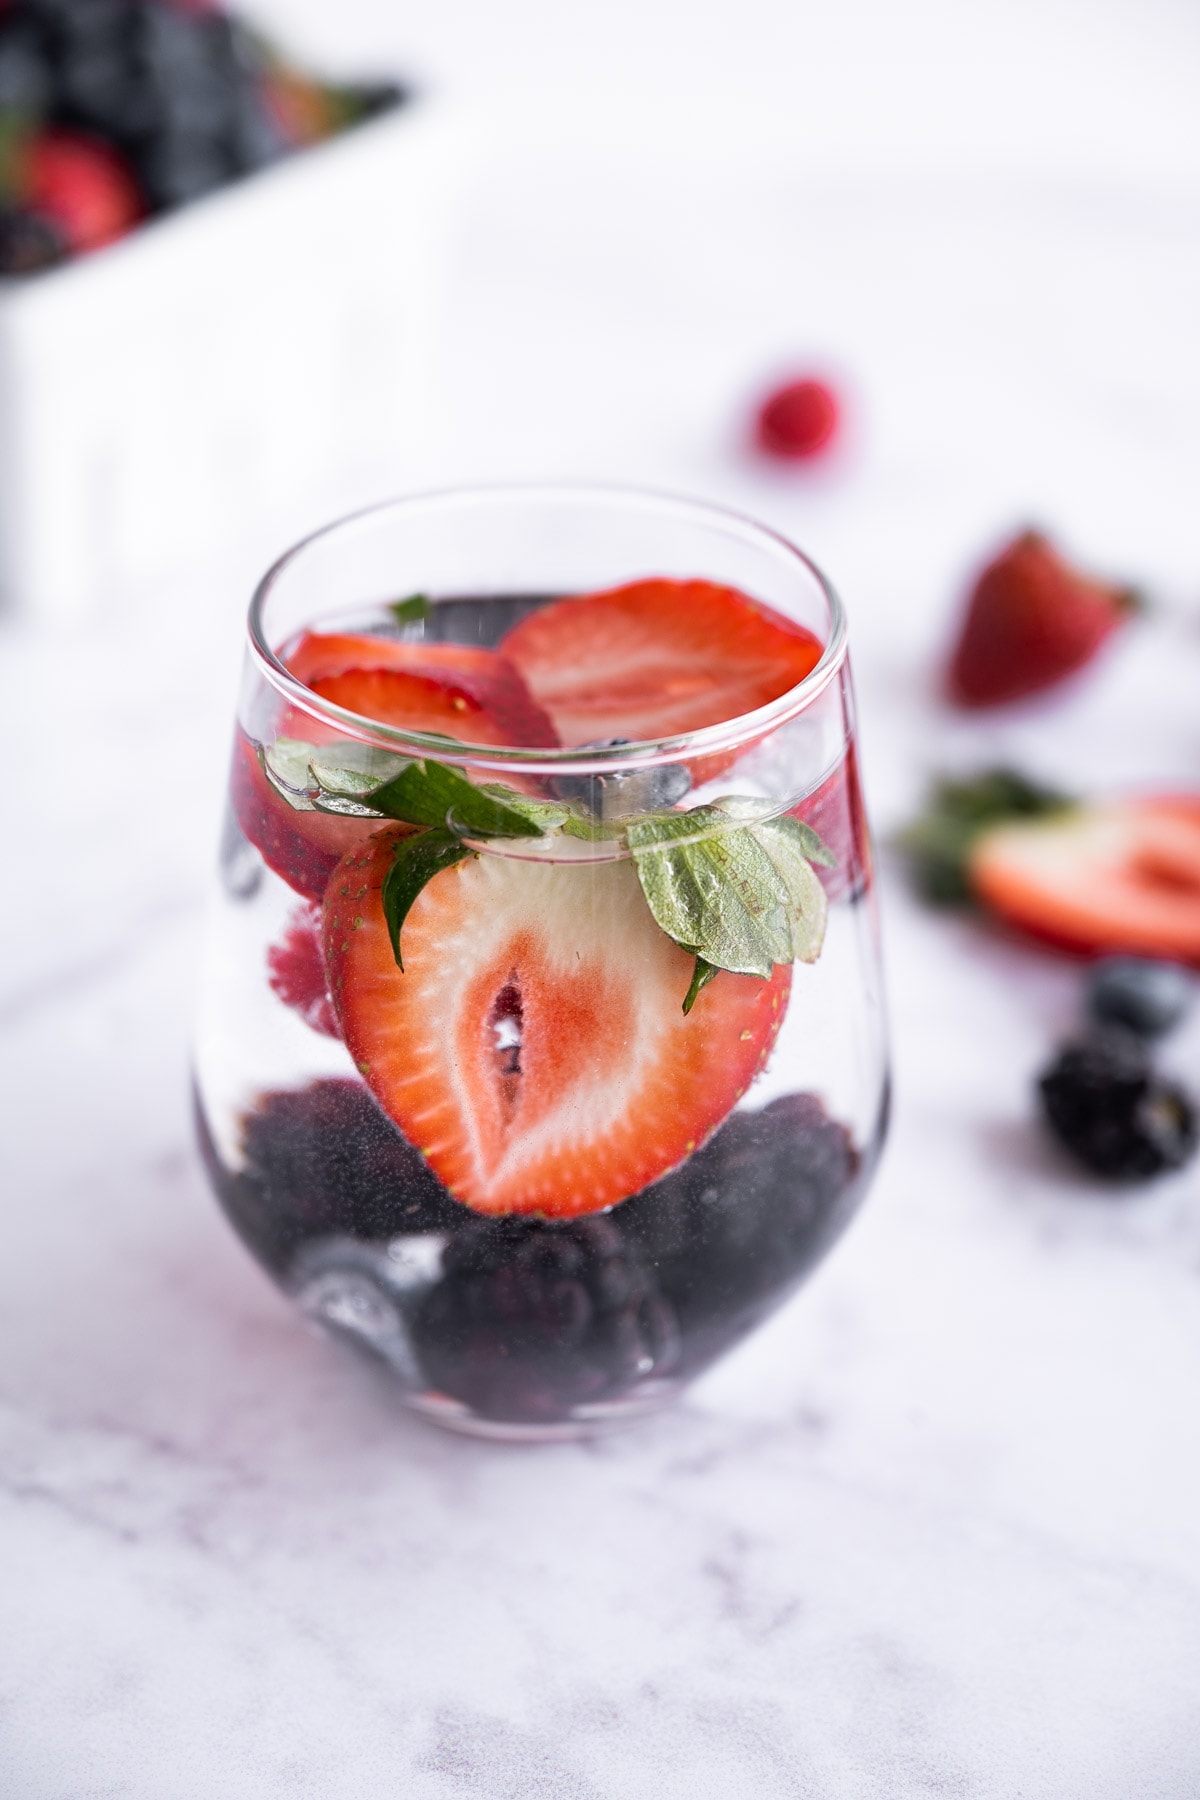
[799, 420]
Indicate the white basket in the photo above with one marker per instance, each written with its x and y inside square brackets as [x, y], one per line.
[218, 365]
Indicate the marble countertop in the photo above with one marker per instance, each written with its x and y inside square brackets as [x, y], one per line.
[936, 1529]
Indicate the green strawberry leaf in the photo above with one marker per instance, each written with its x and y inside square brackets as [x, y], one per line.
[363, 782]
[731, 884]
[303, 772]
[713, 889]
[702, 974]
[794, 847]
[411, 611]
[416, 861]
[434, 794]
[738, 897]
[939, 841]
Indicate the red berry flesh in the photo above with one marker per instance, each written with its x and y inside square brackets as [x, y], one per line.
[83, 186]
[798, 421]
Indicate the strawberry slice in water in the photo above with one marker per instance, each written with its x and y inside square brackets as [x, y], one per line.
[302, 848]
[657, 658]
[488, 692]
[458, 690]
[534, 1046]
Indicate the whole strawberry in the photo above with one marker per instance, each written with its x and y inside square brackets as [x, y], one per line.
[1031, 620]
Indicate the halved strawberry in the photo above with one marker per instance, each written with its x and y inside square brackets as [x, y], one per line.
[534, 1046]
[296, 971]
[1111, 876]
[657, 658]
[488, 682]
[1030, 620]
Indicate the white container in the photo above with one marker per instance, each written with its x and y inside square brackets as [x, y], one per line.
[218, 365]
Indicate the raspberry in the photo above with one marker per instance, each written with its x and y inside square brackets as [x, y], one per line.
[799, 420]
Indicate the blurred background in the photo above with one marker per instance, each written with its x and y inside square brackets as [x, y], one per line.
[981, 225]
[614, 231]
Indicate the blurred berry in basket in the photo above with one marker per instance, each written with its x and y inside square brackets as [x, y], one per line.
[114, 110]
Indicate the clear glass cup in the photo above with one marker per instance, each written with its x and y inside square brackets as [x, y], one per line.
[695, 1166]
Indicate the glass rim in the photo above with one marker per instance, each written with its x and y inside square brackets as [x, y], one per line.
[726, 734]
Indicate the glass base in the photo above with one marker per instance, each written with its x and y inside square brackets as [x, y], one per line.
[589, 1422]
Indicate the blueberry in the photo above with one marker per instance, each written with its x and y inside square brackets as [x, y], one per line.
[1147, 997]
[175, 167]
[533, 1318]
[1104, 1103]
[25, 79]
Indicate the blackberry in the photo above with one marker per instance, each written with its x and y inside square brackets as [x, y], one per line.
[1147, 997]
[324, 1160]
[24, 75]
[29, 241]
[1104, 1103]
[733, 1230]
[534, 1318]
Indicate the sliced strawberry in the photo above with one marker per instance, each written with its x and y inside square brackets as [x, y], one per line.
[1108, 877]
[303, 848]
[1031, 619]
[486, 681]
[296, 971]
[534, 1047]
[458, 690]
[418, 702]
[657, 658]
[836, 813]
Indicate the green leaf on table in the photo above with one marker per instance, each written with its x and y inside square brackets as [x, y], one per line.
[938, 843]
[416, 861]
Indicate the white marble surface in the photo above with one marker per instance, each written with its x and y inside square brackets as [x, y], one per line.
[936, 1530]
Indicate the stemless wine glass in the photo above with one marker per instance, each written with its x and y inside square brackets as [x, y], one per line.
[541, 1073]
